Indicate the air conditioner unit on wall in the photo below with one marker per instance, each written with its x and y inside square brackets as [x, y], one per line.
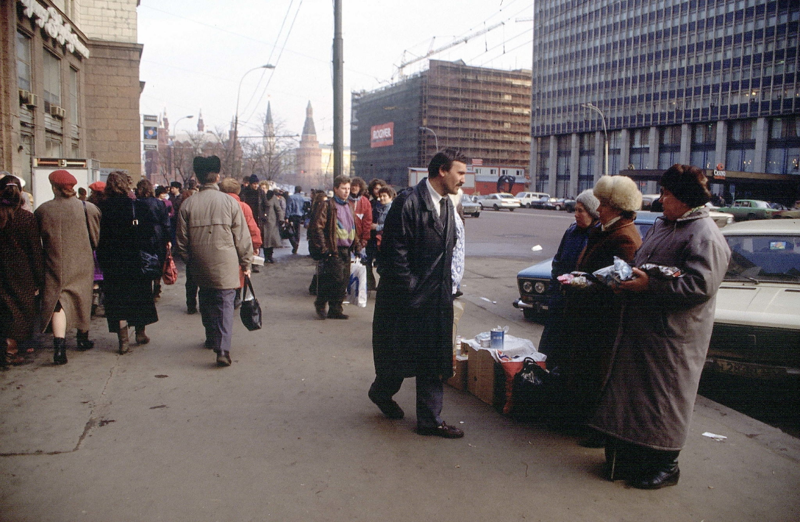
[57, 112]
[24, 96]
[33, 101]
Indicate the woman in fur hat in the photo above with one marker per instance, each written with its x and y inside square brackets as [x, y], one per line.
[594, 311]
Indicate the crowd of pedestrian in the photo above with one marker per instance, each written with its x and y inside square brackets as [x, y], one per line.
[630, 354]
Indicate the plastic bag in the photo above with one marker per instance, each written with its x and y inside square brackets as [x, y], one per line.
[357, 286]
[614, 274]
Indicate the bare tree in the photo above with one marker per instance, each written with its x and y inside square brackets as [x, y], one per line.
[270, 154]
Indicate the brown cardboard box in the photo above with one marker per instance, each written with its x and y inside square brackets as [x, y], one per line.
[459, 378]
[481, 376]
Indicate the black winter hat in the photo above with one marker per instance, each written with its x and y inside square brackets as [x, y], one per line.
[204, 166]
[688, 184]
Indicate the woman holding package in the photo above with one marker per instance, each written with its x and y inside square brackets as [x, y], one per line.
[647, 400]
[593, 313]
[21, 268]
[160, 238]
[128, 228]
[566, 259]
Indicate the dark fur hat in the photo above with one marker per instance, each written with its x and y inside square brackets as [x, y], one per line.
[205, 166]
[688, 184]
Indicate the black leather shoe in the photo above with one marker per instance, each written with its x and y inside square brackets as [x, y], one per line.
[391, 409]
[661, 478]
[443, 430]
[191, 310]
[320, 311]
[223, 359]
[338, 315]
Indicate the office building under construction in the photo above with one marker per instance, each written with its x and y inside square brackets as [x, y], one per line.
[483, 112]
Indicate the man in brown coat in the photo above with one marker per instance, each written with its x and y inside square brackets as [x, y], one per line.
[70, 229]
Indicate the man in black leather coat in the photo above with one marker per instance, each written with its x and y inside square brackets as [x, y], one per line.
[412, 333]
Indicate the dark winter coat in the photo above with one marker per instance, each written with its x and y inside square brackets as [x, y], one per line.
[21, 274]
[412, 329]
[257, 200]
[158, 215]
[663, 336]
[322, 230]
[68, 227]
[591, 316]
[129, 294]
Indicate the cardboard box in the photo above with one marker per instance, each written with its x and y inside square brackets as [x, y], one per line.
[485, 378]
[459, 378]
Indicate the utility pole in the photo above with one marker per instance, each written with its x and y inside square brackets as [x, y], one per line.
[338, 88]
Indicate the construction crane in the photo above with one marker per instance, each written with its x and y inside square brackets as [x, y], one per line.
[454, 43]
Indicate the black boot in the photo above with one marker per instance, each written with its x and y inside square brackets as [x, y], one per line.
[59, 350]
[3, 353]
[83, 341]
[660, 471]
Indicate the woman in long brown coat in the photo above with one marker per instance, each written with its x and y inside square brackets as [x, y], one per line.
[21, 265]
[593, 313]
[70, 228]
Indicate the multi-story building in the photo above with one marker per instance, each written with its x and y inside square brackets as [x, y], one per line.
[711, 83]
[483, 112]
[69, 86]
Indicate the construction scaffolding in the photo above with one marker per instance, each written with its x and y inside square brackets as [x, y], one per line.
[483, 112]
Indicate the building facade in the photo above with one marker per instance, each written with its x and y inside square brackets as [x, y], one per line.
[483, 112]
[711, 83]
[69, 86]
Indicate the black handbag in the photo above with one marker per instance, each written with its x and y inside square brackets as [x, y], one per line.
[250, 312]
[149, 265]
[538, 395]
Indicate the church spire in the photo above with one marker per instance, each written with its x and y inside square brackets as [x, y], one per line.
[308, 128]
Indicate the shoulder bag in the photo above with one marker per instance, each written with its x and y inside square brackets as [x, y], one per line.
[250, 312]
[149, 266]
[170, 270]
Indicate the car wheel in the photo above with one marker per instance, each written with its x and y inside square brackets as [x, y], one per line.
[496, 207]
[476, 214]
[528, 205]
[751, 217]
[558, 207]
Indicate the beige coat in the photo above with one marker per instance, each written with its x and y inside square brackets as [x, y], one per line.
[69, 265]
[213, 238]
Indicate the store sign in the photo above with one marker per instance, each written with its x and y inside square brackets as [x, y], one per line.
[49, 19]
[382, 135]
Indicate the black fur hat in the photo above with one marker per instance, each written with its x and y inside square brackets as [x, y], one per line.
[688, 184]
[204, 166]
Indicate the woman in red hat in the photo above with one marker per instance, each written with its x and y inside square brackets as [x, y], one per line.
[70, 229]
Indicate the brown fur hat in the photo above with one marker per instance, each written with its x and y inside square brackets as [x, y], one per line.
[619, 192]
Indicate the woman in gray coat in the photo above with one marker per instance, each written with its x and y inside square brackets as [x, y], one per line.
[649, 392]
[273, 216]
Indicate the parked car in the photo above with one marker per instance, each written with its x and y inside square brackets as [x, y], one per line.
[757, 321]
[533, 282]
[647, 200]
[558, 204]
[500, 200]
[471, 208]
[747, 209]
[787, 214]
[532, 199]
[720, 218]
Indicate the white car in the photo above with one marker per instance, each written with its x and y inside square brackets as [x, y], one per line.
[500, 200]
[532, 199]
[757, 320]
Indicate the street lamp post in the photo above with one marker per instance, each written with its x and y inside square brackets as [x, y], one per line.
[236, 116]
[172, 144]
[435, 137]
[605, 129]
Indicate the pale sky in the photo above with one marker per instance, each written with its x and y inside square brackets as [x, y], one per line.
[196, 52]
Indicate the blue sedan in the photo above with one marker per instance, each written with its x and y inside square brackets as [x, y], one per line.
[534, 285]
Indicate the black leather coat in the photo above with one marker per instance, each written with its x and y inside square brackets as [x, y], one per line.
[412, 329]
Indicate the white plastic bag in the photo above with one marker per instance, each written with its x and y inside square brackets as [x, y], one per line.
[357, 287]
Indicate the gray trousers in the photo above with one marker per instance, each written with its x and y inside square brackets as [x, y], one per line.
[216, 309]
[430, 395]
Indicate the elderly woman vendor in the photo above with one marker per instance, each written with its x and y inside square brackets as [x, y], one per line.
[649, 392]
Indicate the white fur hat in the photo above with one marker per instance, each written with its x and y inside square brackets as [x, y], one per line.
[619, 192]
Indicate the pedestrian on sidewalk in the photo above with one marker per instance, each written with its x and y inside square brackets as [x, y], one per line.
[649, 394]
[214, 241]
[331, 240]
[70, 229]
[21, 268]
[295, 210]
[232, 188]
[162, 234]
[412, 333]
[271, 220]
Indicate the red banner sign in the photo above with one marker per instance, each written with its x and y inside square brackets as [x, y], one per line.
[382, 135]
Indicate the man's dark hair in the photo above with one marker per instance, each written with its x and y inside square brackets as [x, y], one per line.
[161, 189]
[386, 189]
[444, 160]
[339, 180]
[176, 184]
[298, 189]
[205, 166]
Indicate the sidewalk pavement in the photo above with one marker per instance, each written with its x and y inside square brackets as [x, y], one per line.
[288, 434]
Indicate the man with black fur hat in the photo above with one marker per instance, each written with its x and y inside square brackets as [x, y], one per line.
[256, 199]
[207, 221]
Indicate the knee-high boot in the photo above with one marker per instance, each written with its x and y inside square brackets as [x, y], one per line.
[122, 335]
[59, 350]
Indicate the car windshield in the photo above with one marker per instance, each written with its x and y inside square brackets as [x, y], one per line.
[764, 258]
[506, 196]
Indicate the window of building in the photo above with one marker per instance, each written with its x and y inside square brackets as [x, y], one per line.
[23, 61]
[783, 146]
[52, 80]
[52, 146]
[73, 96]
